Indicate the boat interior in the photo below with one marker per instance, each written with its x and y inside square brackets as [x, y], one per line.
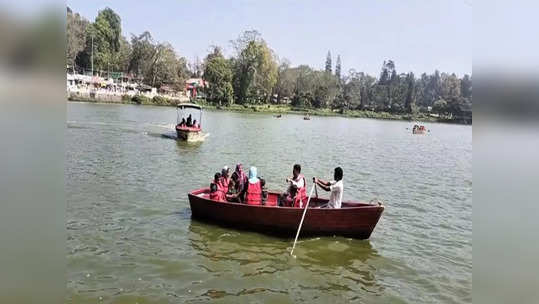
[273, 196]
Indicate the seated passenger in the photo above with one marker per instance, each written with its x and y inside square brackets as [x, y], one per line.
[194, 123]
[242, 178]
[265, 194]
[234, 190]
[214, 193]
[217, 194]
[225, 179]
[182, 123]
[295, 195]
[233, 184]
[253, 190]
[189, 121]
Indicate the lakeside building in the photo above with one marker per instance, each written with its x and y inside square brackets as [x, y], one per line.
[194, 87]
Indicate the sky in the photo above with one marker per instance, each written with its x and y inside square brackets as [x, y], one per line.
[419, 36]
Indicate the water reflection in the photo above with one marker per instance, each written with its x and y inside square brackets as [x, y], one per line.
[337, 266]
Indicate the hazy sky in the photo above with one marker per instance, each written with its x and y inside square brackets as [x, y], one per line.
[420, 36]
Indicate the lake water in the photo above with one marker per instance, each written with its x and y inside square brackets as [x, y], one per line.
[131, 238]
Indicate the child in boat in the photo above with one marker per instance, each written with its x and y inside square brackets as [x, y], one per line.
[264, 191]
[234, 189]
[216, 192]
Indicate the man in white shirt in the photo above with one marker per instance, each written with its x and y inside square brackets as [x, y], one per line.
[335, 187]
[296, 187]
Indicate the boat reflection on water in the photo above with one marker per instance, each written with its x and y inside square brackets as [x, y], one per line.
[336, 266]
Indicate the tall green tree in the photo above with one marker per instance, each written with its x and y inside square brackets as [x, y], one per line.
[409, 104]
[102, 41]
[338, 68]
[75, 35]
[466, 86]
[143, 50]
[255, 72]
[219, 75]
[328, 62]
[286, 81]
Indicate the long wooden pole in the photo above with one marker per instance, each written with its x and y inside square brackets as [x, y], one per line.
[302, 218]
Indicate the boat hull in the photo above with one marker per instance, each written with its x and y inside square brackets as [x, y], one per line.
[189, 134]
[355, 220]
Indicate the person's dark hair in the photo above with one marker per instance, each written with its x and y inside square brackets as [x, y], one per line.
[234, 176]
[213, 187]
[262, 182]
[297, 167]
[217, 176]
[338, 173]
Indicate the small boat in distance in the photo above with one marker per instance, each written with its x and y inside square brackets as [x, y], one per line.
[278, 116]
[353, 219]
[307, 117]
[189, 130]
[419, 129]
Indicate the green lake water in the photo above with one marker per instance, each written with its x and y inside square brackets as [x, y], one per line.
[131, 238]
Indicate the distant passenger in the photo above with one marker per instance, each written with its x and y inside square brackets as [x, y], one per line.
[195, 123]
[253, 191]
[189, 121]
[182, 123]
[295, 194]
[336, 187]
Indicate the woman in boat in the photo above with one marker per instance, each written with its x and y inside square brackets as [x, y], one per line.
[182, 123]
[225, 179]
[189, 121]
[216, 192]
[295, 194]
[242, 178]
[253, 189]
[335, 187]
[234, 190]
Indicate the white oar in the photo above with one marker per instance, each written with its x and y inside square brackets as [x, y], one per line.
[301, 222]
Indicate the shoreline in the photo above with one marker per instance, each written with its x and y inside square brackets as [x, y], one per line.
[287, 109]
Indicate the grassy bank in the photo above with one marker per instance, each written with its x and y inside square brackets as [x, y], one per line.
[126, 99]
[286, 109]
[272, 109]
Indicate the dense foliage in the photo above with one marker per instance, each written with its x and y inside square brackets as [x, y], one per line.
[255, 75]
[100, 47]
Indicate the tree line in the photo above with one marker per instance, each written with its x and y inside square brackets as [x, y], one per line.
[254, 74]
[153, 63]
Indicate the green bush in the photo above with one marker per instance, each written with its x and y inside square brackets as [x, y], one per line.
[126, 97]
[161, 101]
[140, 99]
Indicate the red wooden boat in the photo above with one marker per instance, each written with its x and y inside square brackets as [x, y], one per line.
[354, 219]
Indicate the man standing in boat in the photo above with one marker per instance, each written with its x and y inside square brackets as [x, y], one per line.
[335, 187]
